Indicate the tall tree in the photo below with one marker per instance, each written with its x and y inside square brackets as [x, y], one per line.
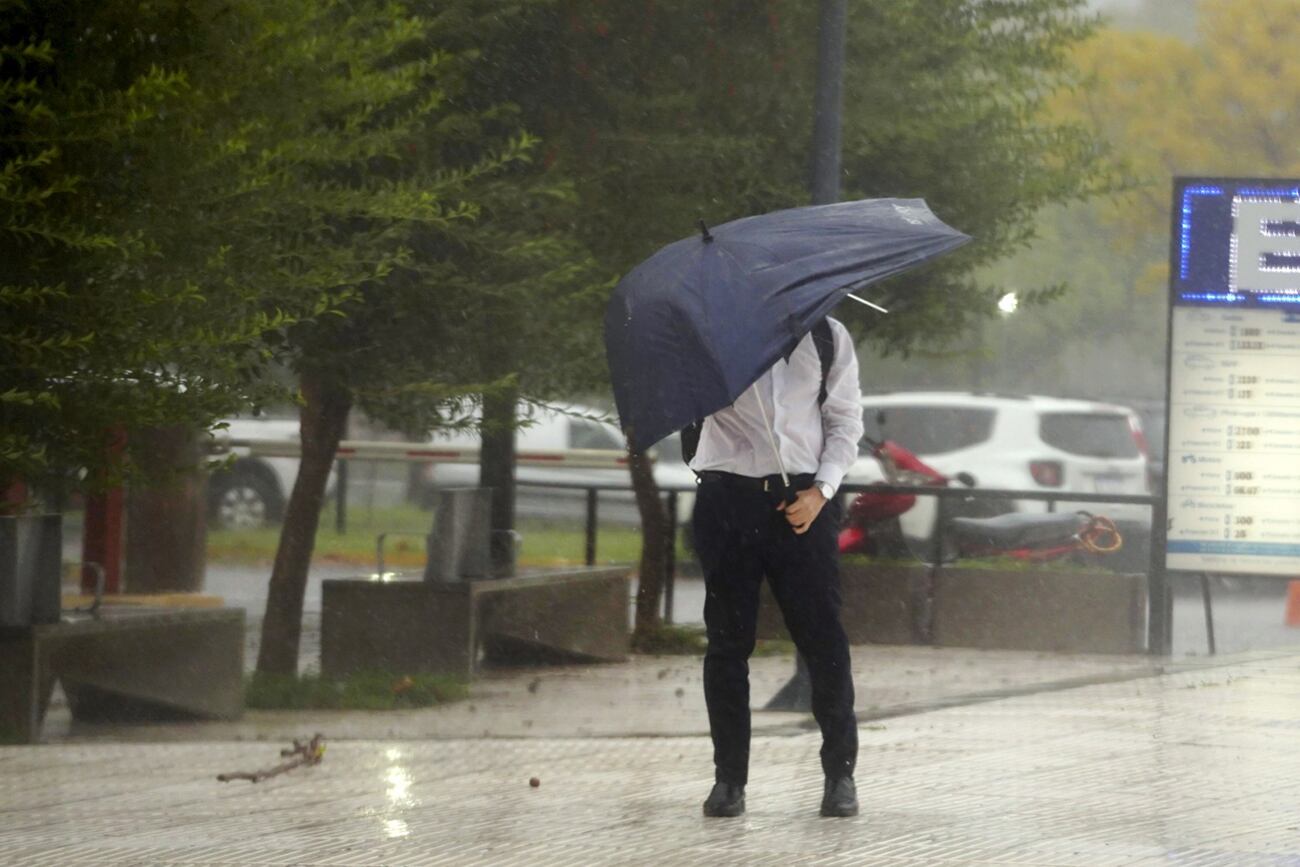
[365, 173]
[673, 111]
[101, 327]
[656, 121]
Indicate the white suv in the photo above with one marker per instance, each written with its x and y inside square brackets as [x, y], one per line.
[1021, 443]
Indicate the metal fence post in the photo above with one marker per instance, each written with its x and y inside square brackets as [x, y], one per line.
[1160, 601]
[924, 630]
[670, 558]
[341, 497]
[591, 527]
[1209, 613]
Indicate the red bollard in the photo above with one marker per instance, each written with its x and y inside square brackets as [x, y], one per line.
[101, 538]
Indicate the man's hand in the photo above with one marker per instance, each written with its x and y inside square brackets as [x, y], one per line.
[804, 510]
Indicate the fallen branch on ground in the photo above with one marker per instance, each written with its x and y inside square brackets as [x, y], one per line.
[304, 753]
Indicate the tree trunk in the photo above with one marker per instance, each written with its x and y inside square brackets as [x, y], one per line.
[654, 542]
[324, 416]
[497, 471]
[166, 519]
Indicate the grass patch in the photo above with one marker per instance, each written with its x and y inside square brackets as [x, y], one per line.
[364, 691]
[545, 543]
[670, 641]
[774, 647]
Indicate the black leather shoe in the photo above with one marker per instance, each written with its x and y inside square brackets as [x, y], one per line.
[725, 800]
[840, 797]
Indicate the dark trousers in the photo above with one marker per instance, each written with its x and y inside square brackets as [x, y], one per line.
[740, 537]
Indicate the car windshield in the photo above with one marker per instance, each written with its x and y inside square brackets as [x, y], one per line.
[1094, 435]
[929, 430]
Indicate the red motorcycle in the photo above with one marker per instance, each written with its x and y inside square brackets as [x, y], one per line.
[871, 524]
[972, 526]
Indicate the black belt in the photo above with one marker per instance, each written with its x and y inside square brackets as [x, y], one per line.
[798, 481]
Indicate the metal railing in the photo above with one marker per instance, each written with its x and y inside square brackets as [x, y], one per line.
[1159, 596]
[1159, 589]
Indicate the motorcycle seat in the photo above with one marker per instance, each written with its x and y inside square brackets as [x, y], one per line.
[1019, 529]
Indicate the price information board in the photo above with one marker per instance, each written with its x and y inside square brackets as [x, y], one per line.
[1233, 461]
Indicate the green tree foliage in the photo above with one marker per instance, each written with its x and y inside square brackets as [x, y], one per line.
[667, 112]
[100, 329]
[355, 188]
[363, 170]
[949, 100]
[1218, 104]
[671, 111]
[650, 109]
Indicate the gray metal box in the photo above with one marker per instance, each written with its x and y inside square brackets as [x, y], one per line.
[31, 559]
[458, 545]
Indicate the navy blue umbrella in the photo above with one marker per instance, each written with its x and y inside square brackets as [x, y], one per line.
[693, 326]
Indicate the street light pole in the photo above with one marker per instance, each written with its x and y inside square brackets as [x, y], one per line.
[828, 106]
[828, 102]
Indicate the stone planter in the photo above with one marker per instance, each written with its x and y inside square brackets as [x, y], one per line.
[31, 553]
[1060, 611]
[411, 626]
[130, 663]
[1066, 611]
[883, 604]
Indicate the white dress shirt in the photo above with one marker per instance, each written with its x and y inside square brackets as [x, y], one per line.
[812, 439]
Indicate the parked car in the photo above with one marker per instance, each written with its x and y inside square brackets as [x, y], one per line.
[1152, 413]
[572, 427]
[1014, 442]
[253, 490]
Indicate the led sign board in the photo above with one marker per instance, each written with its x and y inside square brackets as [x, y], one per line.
[1233, 461]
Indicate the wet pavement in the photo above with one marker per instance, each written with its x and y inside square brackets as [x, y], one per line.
[650, 696]
[968, 757]
[1192, 765]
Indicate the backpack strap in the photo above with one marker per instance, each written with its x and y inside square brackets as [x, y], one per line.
[823, 340]
[691, 439]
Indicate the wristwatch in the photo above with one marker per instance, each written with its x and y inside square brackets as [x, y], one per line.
[825, 488]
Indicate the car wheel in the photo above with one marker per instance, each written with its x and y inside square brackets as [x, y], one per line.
[243, 499]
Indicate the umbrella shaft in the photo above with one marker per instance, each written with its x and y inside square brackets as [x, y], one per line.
[771, 436]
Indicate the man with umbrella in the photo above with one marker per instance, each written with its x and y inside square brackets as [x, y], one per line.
[726, 327]
[745, 528]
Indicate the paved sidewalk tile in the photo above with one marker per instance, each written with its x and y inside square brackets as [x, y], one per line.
[1196, 767]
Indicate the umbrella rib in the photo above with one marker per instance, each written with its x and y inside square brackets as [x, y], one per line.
[870, 304]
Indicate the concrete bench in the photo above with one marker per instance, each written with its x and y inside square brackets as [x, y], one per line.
[410, 625]
[129, 664]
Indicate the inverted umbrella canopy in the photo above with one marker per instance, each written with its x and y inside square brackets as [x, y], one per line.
[691, 327]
